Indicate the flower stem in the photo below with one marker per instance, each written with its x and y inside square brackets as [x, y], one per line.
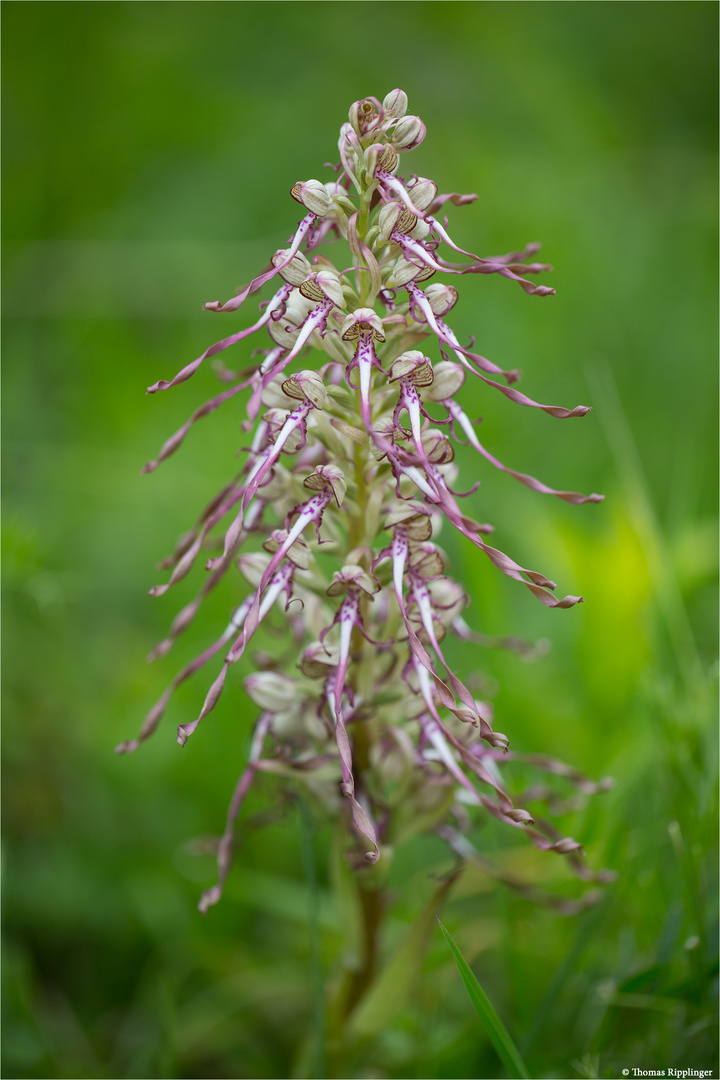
[372, 907]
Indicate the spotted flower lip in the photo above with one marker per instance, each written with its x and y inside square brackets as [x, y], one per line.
[333, 519]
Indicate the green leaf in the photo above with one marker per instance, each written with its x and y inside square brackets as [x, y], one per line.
[499, 1036]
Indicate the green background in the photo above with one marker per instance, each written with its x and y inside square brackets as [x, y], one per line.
[148, 153]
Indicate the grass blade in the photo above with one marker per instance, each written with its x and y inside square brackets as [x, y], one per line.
[499, 1036]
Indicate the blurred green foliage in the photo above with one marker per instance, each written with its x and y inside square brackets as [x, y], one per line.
[148, 152]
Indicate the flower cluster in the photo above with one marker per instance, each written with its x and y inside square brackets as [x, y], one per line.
[351, 459]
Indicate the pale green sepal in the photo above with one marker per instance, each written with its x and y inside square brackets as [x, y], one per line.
[347, 204]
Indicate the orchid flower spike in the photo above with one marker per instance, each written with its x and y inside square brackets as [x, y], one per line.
[333, 517]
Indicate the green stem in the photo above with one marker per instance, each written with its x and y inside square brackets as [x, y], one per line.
[318, 1055]
[354, 985]
[372, 907]
[369, 900]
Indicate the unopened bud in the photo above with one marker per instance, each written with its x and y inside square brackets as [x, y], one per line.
[420, 231]
[284, 330]
[296, 270]
[413, 518]
[307, 386]
[271, 690]
[353, 576]
[273, 396]
[434, 795]
[408, 133]
[275, 420]
[414, 364]
[362, 321]
[392, 758]
[449, 597]
[340, 199]
[441, 297]
[386, 428]
[327, 476]
[314, 197]
[252, 566]
[438, 447]
[318, 659]
[323, 286]
[448, 379]
[395, 104]
[299, 553]
[362, 114]
[421, 191]
[379, 156]
[393, 216]
[405, 271]
[426, 561]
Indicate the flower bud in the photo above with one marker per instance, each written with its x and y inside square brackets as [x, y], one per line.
[414, 364]
[392, 758]
[421, 191]
[273, 396]
[299, 553]
[271, 690]
[283, 333]
[340, 199]
[362, 321]
[405, 271]
[420, 231]
[448, 379]
[284, 330]
[323, 286]
[317, 659]
[441, 297]
[351, 575]
[394, 216]
[438, 447]
[395, 104]
[386, 428]
[448, 596]
[275, 420]
[314, 197]
[414, 518]
[433, 794]
[379, 156]
[362, 114]
[408, 133]
[327, 476]
[307, 386]
[426, 560]
[252, 566]
[294, 726]
[296, 270]
[419, 626]
[280, 490]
